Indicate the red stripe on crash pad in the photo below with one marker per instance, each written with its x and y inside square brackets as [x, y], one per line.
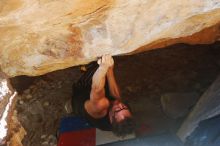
[85, 137]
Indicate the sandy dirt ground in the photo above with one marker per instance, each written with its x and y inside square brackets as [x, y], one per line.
[143, 79]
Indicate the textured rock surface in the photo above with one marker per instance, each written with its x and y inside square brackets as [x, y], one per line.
[11, 130]
[17, 132]
[177, 105]
[39, 36]
[7, 100]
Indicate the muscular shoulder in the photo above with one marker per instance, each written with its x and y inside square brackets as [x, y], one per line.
[98, 108]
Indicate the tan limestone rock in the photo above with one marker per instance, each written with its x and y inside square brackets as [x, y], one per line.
[16, 132]
[40, 36]
[11, 131]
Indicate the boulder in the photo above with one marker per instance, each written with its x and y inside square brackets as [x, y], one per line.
[176, 105]
[11, 131]
[40, 36]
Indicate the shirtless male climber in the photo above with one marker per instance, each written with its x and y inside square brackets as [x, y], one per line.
[96, 97]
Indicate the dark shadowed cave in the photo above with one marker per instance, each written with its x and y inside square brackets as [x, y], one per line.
[176, 71]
